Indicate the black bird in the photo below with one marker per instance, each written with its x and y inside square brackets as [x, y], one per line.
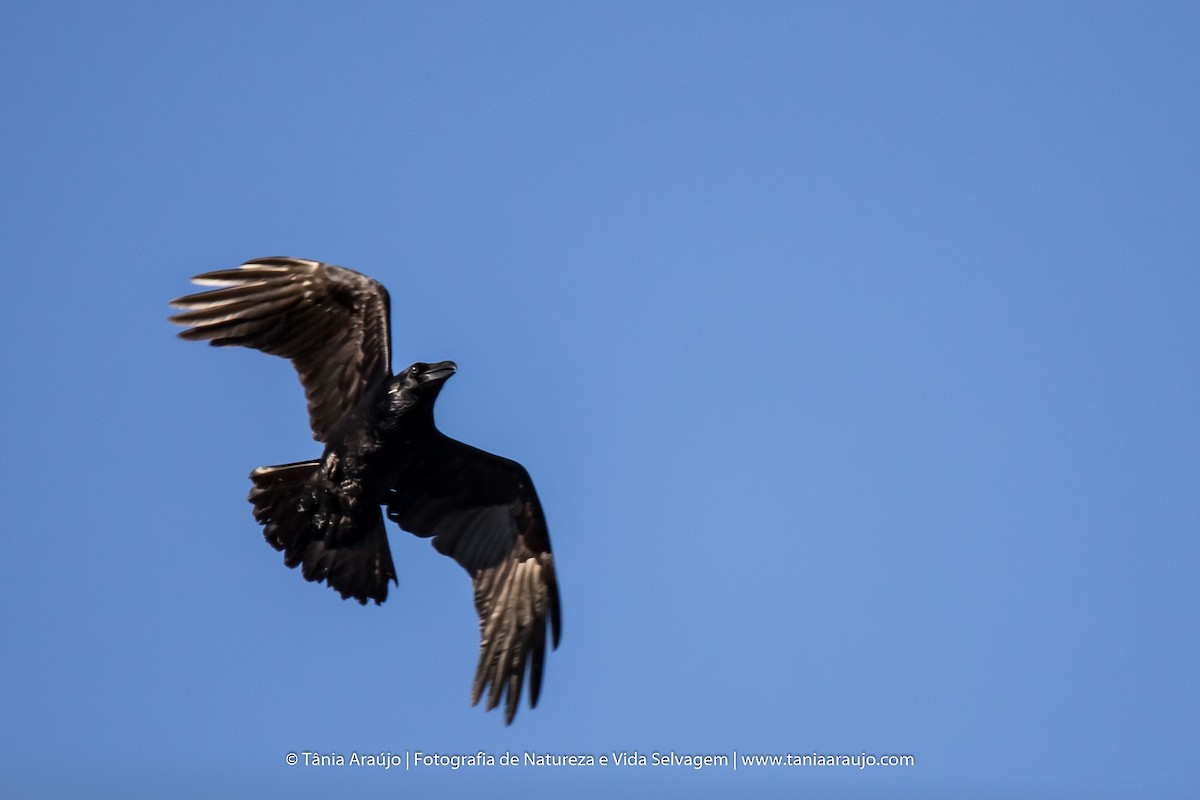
[383, 449]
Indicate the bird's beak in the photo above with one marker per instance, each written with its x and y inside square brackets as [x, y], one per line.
[441, 371]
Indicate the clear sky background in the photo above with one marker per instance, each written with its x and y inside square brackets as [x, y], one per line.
[852, 347]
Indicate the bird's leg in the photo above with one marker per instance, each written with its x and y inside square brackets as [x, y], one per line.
[337, 498]
[324, 502]
[349, 491]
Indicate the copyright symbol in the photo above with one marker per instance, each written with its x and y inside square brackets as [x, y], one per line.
[292, 758]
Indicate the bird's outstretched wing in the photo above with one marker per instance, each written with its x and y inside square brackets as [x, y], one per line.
[332, 322]
[484, 513]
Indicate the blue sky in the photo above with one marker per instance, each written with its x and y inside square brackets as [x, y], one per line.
[852, 347]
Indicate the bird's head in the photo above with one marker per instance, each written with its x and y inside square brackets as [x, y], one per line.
[419, 383]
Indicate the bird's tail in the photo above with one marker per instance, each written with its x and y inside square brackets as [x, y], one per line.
[293, 504]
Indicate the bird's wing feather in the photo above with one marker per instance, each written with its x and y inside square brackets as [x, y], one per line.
[331, 322]
[483, 512]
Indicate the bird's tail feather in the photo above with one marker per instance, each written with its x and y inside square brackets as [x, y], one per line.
[351, 555]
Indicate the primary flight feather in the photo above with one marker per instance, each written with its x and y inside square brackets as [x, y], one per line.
[382, 448]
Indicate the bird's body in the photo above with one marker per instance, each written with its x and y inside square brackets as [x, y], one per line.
[382, 449]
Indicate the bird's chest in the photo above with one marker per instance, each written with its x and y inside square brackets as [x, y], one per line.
[364, 460]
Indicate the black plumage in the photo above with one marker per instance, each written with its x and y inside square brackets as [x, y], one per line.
[382, 448]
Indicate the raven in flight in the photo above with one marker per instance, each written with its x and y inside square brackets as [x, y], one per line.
[383, 449]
